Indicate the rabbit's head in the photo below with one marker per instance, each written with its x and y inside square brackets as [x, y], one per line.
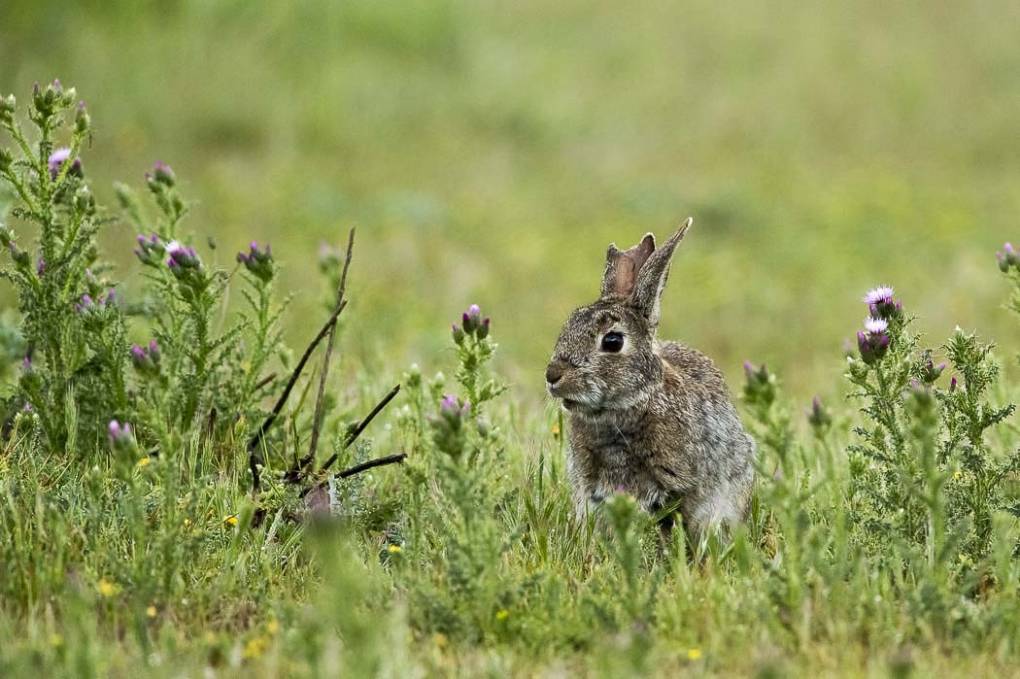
[605, 358]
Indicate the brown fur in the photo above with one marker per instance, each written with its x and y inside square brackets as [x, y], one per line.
[656, 419]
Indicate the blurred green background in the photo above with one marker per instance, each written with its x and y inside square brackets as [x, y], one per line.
[488, 152]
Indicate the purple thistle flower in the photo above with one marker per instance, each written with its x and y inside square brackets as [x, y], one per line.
[449, 405]
[26, 364]
[57, 159]
[883, 293]
[1007, 258]
[181, 257]
[146, 359]
[85, 304]
[40, 267]
[121, 436]
[875, 326]
[881, 303]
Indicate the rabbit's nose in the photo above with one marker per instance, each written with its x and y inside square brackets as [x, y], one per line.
[554, 372]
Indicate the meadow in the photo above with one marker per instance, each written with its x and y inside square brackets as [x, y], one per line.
[488, 154]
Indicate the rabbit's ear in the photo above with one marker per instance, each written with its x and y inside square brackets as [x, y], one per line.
[651, 278]
[622, 268]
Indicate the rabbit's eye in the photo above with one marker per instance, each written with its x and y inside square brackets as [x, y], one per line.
[612, 342]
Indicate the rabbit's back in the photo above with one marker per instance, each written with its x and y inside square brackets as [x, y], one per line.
[704, 436]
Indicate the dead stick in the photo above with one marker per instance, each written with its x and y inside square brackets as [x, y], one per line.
[253, 458]
[365, 466]
[352, 437]
[320, 405]
[264, 381]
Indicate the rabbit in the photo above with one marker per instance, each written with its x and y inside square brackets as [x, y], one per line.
[650, 418]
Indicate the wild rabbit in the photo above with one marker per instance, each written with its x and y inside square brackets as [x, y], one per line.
[651, 418]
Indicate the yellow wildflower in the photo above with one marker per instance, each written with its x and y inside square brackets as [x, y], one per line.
[957, 475]
[230, 520]
[439, 639]
[255, 647]
[556, 429]
[394, 549]
[144, 462]
[106, 588]
[151, 611]
[502, 614]
[273, 626]
[693, 653]
[187, 523]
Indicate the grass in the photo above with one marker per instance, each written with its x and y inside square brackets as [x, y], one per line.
[489, 153]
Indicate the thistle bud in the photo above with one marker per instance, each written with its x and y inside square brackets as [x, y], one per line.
[412, 378]
[163, 174]
[760, 386]
[122, 439]
[258, 262]
[146, 359]
[21, 258]
[329, 258]
[150, 249]
[84, 201]
[8, 105]
[448, 425]
[1007, 257]
[85, 304]
[457, 333]
[53, 98]
[819, 417]
[929, 372]
[483, 329]
[6, 160]
[82, 120]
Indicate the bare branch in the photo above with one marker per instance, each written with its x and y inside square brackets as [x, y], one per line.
[253, 457]
[352, 437]
[363, 467]
[318, 417]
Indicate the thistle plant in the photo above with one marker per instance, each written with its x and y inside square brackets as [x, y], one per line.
[73, 330]
[474, 350]
[921, 469]
[79, 369]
